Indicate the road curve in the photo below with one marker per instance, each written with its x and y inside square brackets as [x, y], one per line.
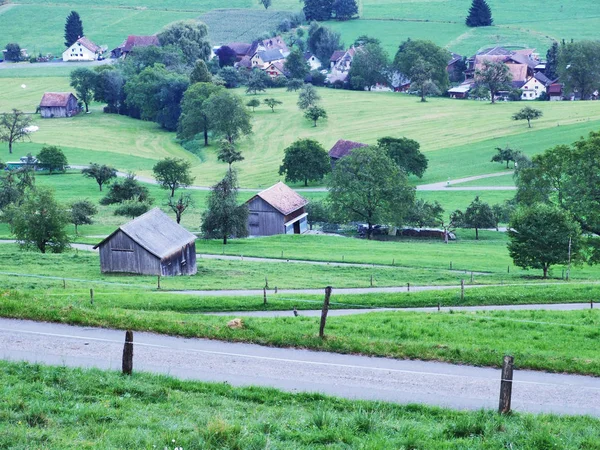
[349, 376]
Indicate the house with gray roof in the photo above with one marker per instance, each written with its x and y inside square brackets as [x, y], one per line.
[151, 244]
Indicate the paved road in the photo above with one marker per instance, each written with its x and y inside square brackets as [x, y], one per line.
[349, 376]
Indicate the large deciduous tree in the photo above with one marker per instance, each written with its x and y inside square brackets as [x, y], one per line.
[480, 14]
[421, 78]
[227, 56]
[224, 218]
[579, 67]
[173, 173]
[319, 10]
[103, 174]
[190, 36]
[308, 97]
[81, 213]
[13, 127]
[110, 89]
[13, 52]
[323, 41]
[478, 215]
[505, 154]
[371, 65]
[411, 53]
[84, 82]
[425, 214]
[52, 159]
[228, 116]
[127, 189]
[541, 236]
[40, 222]
[405, 152]
[194, 114]
[367, 186]
[305, 160]
[258, 81]
[528, 113]
[73, 28]
[200, 73]
[296, 65]
[495, 76]
[345, 9]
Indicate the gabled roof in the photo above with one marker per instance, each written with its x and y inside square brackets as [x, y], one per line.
[337, 55]
[494, 51]
[245, 62]
[156, 232]
[240, 48]
[454, 57]
[542, 78]
[275, 43]
[271, 55]
[308, 55]
[343, 148]
[85, 42]
[139, 41]
[55, 99]
[282, 198]
[555, 88]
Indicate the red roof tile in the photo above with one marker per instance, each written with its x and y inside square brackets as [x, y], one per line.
[54, 99]
[282, 198]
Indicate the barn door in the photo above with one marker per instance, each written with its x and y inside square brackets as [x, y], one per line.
[253, 224]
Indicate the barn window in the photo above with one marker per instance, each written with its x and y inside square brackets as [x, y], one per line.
[183, 262]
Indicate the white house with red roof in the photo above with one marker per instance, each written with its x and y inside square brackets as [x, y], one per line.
[82, 50]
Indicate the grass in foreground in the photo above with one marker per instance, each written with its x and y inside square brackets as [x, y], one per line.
[551, 341]
[61, 408]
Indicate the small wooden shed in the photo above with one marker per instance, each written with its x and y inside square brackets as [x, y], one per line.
[151, 244]
[342, 148]
[58, 104]
[277, 210]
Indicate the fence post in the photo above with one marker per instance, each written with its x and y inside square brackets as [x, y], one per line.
[508, 269]
[92, 296]
[266, 283]
[450, 265]
[393, 261]
[264, 296]
[128, 353]
[324, 312]
[506, 385]
[158, 283]
[371, 280]
[64, 284]
[591, 303]
[407, 287]
[439, 306]
[462, 289]
[471, 277]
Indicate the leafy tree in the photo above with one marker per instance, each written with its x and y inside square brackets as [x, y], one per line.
[503, 212]
[305, 160]
[141, 58]
[528, 113]
[180, 205]
[126, 189]
[254, 103]
[345, 9]
[480, 14]
[157, 94]
[539, 237]
[296, 65]
[52, 158]
[315, 113]
[371, 64]
[82, 212]
[190, 36]
[317, 212]
[200, 73]
[272, 103]
[579, 67]
[132, 209]
[367, 186]
[319, 10]
[308, 97]
[552, 62]
[228, 116]
[224, 218]
[13, 127]
[363, 39]
[231, 77]
[425, 214]
[39, 221]
[14, 184]
[505, 154]
[421, 78]
[84, 81]
[435, 59]
[323, 41]
[405, 152]
[194, 117]
[103, 174]
[495, 76]
[228, 153]
[478, 215]
[110, 89]
[257, 82]
[73, 28]
[13, 52]
[173, 173]
[265, 3]
[227, 56]
[293, 85]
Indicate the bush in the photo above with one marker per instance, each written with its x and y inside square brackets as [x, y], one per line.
[13, 52]
[284, 26]
[317, 78]
[127, 189]
[279, 82]
[132, 209]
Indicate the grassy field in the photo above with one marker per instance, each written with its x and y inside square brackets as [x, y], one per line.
[61, 408]
[564, 341]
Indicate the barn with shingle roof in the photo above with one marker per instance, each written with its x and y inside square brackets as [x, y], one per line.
[277, 210]
[58, 104]
[343, 148]
[151, 244]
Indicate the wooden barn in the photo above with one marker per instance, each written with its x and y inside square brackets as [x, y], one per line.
[277, 210]
[342, 148]
[152, 244]
[58, 104]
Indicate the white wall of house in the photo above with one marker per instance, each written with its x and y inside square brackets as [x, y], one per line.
[78, 52]
[314, 63]
[532, 89]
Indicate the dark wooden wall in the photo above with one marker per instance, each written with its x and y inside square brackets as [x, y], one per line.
[182, 262]
[263, 219]
[121, 254]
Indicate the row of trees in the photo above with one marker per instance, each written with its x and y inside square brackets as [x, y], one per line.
[322, 10]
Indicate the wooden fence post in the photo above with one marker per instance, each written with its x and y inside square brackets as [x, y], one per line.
[128, 353]
[450, 265]
[462, 289]
[264, 296]
[439, 306]
[471, 277]
[508, 269]
[158, 283]
[407, 287]
[371, 280]
[64, 284]
[506, 385]
[92, 296]
[266, 283]
[324, 312]
[591, 303]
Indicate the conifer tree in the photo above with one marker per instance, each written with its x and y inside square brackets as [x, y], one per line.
[73, 28]
[480, 14]
[552, 61]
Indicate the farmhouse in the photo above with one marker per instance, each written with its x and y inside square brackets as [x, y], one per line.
[277, 210]
[152, 244]
[341, 149]
[261, 58]
[132, 42]
[82, 50]
[275, 69]
[535, 86]
[58, 104]
[312, 61]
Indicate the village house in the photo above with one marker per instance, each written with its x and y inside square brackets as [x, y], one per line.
[312, 61]
[342, 148]
[265, 57]
[82, 50]
[535, 87]
[275, 43]
[58, 104]
[275, 70]
[151, 244]
[277, 210]
[132, 42]
[555, 92]
[340, 64]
